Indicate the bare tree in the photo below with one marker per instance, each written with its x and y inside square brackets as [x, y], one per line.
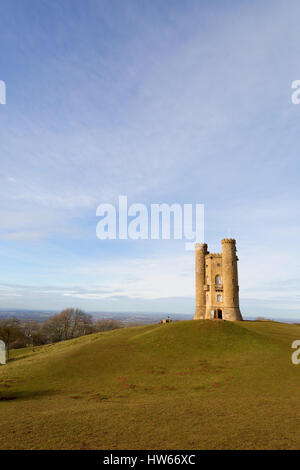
[33, 333]
[82, 323]
[10, 331]
[107, 324]
[70, 323]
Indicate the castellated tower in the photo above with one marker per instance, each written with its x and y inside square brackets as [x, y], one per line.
[217, 289]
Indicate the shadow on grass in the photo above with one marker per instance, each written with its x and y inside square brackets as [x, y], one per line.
[18, 358]
[26, 395]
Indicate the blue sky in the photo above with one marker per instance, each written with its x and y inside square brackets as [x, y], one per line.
[163, 101]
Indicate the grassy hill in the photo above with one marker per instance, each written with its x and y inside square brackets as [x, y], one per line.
[186, 385]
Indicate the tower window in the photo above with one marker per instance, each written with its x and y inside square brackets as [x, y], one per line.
[218, 265]
[219, 298]
[218, 280]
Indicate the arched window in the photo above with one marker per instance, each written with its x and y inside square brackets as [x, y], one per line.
[219, 298]
[218, 280]
[207, 280]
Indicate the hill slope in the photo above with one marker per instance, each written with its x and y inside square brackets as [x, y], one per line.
[189, 385]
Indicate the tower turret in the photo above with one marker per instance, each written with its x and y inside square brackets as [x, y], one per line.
[200, 252]
[231, 308]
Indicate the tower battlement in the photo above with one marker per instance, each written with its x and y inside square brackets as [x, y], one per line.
[217, 289]
[200, 246]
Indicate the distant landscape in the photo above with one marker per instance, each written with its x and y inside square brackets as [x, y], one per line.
[125, 317]
[142, 318]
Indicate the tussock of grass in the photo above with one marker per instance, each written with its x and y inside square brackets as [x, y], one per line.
[181, 385]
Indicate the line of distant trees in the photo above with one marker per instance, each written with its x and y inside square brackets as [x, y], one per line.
[69, 323]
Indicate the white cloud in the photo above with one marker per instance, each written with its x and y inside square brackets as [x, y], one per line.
[29, 236]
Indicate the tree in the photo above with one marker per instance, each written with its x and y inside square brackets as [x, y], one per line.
[106, 324]
[81, 324]
[33, 333]
[10, 331]
[70, 323]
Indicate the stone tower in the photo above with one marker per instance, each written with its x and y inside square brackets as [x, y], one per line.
[217, 289]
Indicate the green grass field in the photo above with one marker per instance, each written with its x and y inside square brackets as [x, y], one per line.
[185, 385]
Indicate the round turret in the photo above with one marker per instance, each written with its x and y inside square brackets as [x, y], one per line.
[200, 252]
[231, 309]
